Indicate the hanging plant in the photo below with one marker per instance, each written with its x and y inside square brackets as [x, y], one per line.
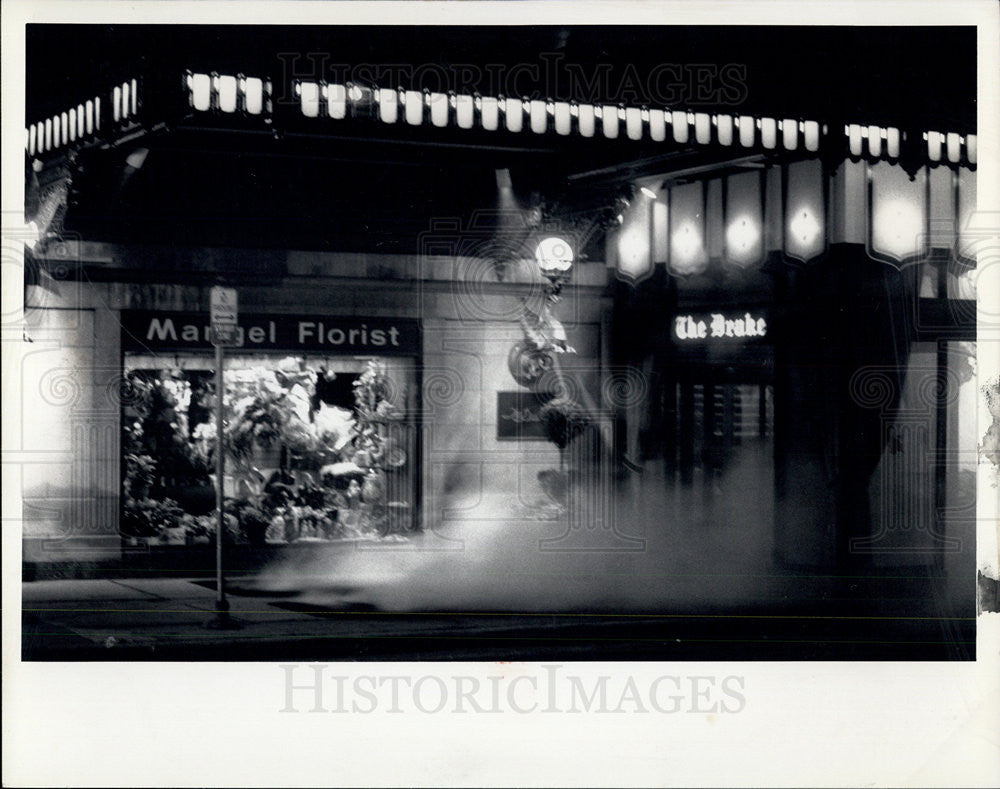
[564, 420]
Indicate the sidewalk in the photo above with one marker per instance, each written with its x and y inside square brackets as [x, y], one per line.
[165, 619]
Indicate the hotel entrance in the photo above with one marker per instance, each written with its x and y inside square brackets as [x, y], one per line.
[718, 454]
[719, 398]
[718, 413]
[704, 439]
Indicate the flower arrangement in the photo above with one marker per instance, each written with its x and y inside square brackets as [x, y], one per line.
[158, 460]
[148, 517]
[324, 467]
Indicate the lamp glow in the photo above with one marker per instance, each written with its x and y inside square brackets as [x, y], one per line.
[897, 226]
[648, 192]
[686, 242]
[388, 105]
[633, 250]
[657, 125]
[253, 93]
[490, 113]
[309, 96]
[464, 111]
[554, 255]
[226, 86]
[742, 234]
[137, 158]
[804, 227]
[902, 208]
[563, 117]
[413, 103]
[200, 86]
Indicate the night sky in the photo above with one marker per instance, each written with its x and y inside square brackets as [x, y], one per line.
[909, 77]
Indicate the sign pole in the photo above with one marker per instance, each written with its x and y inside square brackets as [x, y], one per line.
[220, 470]
[223, 319]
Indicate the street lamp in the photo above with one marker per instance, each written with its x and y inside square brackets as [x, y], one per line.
[554, 256]
[544, 336]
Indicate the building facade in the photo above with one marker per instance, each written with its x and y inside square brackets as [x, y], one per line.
[770, 321]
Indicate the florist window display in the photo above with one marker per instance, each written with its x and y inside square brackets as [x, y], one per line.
[298, 468]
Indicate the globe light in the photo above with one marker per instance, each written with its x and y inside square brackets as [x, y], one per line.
[554, 256]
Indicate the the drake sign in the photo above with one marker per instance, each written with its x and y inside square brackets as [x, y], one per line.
[149, 331]
[720, 326]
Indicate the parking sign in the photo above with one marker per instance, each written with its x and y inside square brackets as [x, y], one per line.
[224, 312]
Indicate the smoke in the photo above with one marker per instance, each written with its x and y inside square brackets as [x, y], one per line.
[666, 547]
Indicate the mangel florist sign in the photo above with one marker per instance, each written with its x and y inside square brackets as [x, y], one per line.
[718, 326]
[150, 331]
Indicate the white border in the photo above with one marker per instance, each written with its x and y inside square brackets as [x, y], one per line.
[807, 724]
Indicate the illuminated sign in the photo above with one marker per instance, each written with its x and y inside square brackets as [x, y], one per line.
[719, 326]
[146, 330]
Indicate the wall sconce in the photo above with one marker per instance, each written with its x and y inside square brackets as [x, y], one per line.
[897, 214]
[805, 211]
[744, 217]
[632, 248]
[688, 253]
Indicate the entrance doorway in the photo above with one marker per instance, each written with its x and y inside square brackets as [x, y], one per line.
[718, 439]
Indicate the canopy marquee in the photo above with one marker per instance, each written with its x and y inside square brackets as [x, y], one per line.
[250, 97]
[798, 208]
[781, 184]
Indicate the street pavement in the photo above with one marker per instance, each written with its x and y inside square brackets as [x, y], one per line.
[166, 619]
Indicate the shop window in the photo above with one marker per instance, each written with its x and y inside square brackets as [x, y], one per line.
[316, 448]
[923, 491]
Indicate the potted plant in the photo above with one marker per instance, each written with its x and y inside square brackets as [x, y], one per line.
[253, 522]
[564, 420]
